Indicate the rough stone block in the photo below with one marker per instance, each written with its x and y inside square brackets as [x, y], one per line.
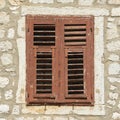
[113, 57]
[3, 82]
[112, 87]
[113, 96]
[112, 31]
[114, 2]
[4, 108]
[45, 118]
[5, 46]
[6, 59]
[60, 118]
[113, 46]
[115, 11]
[86, 2]
[65, 1]
[116, 116]
[8, 94]
[41, 1]
[3, 119]
[114, 69]
[2, 33]
[101, 1]
[16, 110]
[113, 79]
[4, 18]
[2, 4]
[15, 2]
[11, 33]
[111, 102]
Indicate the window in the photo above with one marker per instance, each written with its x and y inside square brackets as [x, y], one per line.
[60, 64]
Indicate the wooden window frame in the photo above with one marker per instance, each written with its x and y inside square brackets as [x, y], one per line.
[59, 94]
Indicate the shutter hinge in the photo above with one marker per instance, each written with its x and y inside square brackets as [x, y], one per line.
[91, 29]
[91, 96]
[59, 74]
[27, 29]
[27, 95]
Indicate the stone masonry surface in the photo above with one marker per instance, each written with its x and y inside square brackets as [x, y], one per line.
[12, 59]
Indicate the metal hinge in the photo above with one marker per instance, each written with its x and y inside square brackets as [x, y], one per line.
[91, 96]
[28, 30]
[91, 29]
[27, 95]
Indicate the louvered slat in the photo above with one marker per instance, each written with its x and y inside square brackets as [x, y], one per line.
[44, 73]
[75, 34]
[75, 73]
[44, 34]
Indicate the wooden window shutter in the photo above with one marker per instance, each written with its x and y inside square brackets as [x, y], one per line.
[60, 54]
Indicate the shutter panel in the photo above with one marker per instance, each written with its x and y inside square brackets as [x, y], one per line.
[78, 44]
[44, 34]
[75, 34]
[44, 73]
[75, 73]
[44, 82]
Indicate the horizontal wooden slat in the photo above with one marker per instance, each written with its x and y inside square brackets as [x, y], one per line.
[74, 64]
[75, 38]
[43, 31]
[44, 36]
[75, 43]
[44, 91]
[44, 85]
[74, 27]
[74, 32]
[45, 80]
[77, 85]
[76, 91]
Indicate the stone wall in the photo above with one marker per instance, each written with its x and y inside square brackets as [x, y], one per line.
[12, 59]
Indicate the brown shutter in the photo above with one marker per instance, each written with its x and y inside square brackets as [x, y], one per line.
[78, 46]
[59, 60]
[41, 61]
